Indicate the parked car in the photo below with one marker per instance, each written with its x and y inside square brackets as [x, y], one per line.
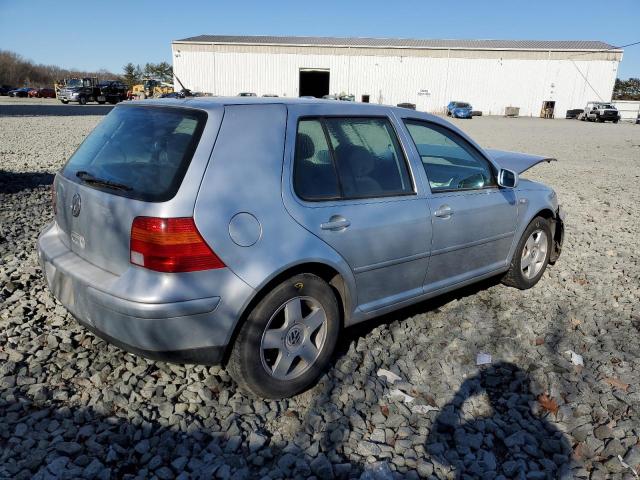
[246, 94]
[5, 89]
[574, 113]
[361, 209]
[21, 92]
[638, 119]
[600, 112]
[42, 93]
[330, 97]
[410, 106]
[459, 110]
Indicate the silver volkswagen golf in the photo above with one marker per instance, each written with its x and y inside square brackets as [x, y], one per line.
[249, 232]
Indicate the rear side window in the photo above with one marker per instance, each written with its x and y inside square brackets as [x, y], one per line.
[349, 158]
[139, 152]
[449, 162]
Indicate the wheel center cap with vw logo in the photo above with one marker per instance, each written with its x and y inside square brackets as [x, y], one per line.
[294, 336]
[76, 205]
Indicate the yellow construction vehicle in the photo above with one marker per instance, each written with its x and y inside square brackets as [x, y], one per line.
[151, 88]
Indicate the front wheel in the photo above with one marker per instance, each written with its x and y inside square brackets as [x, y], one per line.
[287, 340]
[65, 101]
[82, 100]
[531, 256]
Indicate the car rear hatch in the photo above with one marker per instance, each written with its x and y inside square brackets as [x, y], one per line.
[139, 161]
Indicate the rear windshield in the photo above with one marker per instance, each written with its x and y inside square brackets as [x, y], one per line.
[138, 152]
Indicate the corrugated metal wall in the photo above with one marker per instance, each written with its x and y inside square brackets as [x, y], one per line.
[489, 84]
[629, 109]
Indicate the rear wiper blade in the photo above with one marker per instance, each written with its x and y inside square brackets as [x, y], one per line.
[87, 177]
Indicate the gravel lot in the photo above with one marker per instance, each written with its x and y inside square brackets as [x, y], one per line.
[72, 406]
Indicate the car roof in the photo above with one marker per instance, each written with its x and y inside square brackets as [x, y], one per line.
[213, 103]
[316, 107]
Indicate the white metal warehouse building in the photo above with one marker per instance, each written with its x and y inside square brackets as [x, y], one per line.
[490, 74]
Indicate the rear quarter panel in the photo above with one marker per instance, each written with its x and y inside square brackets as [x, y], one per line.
[244, 178]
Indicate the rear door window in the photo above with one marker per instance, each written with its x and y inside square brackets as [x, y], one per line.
[349, 158]
[139, 152]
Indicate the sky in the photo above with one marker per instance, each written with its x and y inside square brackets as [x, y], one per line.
[96, 35]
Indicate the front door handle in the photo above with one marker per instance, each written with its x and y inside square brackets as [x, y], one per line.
[445, 211]
[336, 222]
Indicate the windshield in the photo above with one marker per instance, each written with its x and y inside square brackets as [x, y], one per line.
[145, 149]
[462, 105]
[74, 82]
[606, 105]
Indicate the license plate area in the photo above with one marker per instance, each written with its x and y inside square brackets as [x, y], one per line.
[101, 98]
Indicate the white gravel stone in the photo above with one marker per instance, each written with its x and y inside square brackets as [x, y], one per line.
[61, 387]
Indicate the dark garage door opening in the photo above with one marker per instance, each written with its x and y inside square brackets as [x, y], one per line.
[314, 83]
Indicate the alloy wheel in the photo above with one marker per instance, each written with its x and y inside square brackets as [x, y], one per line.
[534, 254]
[293, 338]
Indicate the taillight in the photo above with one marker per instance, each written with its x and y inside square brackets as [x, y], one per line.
[54, 200]
[170, 245]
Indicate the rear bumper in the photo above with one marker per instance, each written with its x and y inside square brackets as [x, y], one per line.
[181, 330]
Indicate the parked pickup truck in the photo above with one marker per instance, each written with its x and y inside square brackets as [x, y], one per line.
[88, 90]
[600, 112]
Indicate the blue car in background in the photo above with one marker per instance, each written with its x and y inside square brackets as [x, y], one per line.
[459, 110]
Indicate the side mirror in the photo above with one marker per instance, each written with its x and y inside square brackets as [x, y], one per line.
[507, 178]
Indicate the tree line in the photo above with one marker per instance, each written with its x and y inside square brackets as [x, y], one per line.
[17, 71]
[133, 74]
[627, 89]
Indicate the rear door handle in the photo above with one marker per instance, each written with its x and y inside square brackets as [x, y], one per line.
[336, 222]
[444, 211]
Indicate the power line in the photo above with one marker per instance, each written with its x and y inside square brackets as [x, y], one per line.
[585, 79]
[606, 49]
[571, 57]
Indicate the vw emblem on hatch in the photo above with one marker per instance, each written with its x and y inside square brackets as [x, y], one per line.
[76, 205]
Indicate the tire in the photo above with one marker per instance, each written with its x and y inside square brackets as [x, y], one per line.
[82, 100]
[516, 276]
[615, 121]
[254, 366]
[65, 101]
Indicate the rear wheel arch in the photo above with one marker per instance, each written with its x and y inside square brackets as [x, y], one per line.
[325, 272]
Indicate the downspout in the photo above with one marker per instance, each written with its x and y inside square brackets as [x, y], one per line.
[446, 81]
[349, 71]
